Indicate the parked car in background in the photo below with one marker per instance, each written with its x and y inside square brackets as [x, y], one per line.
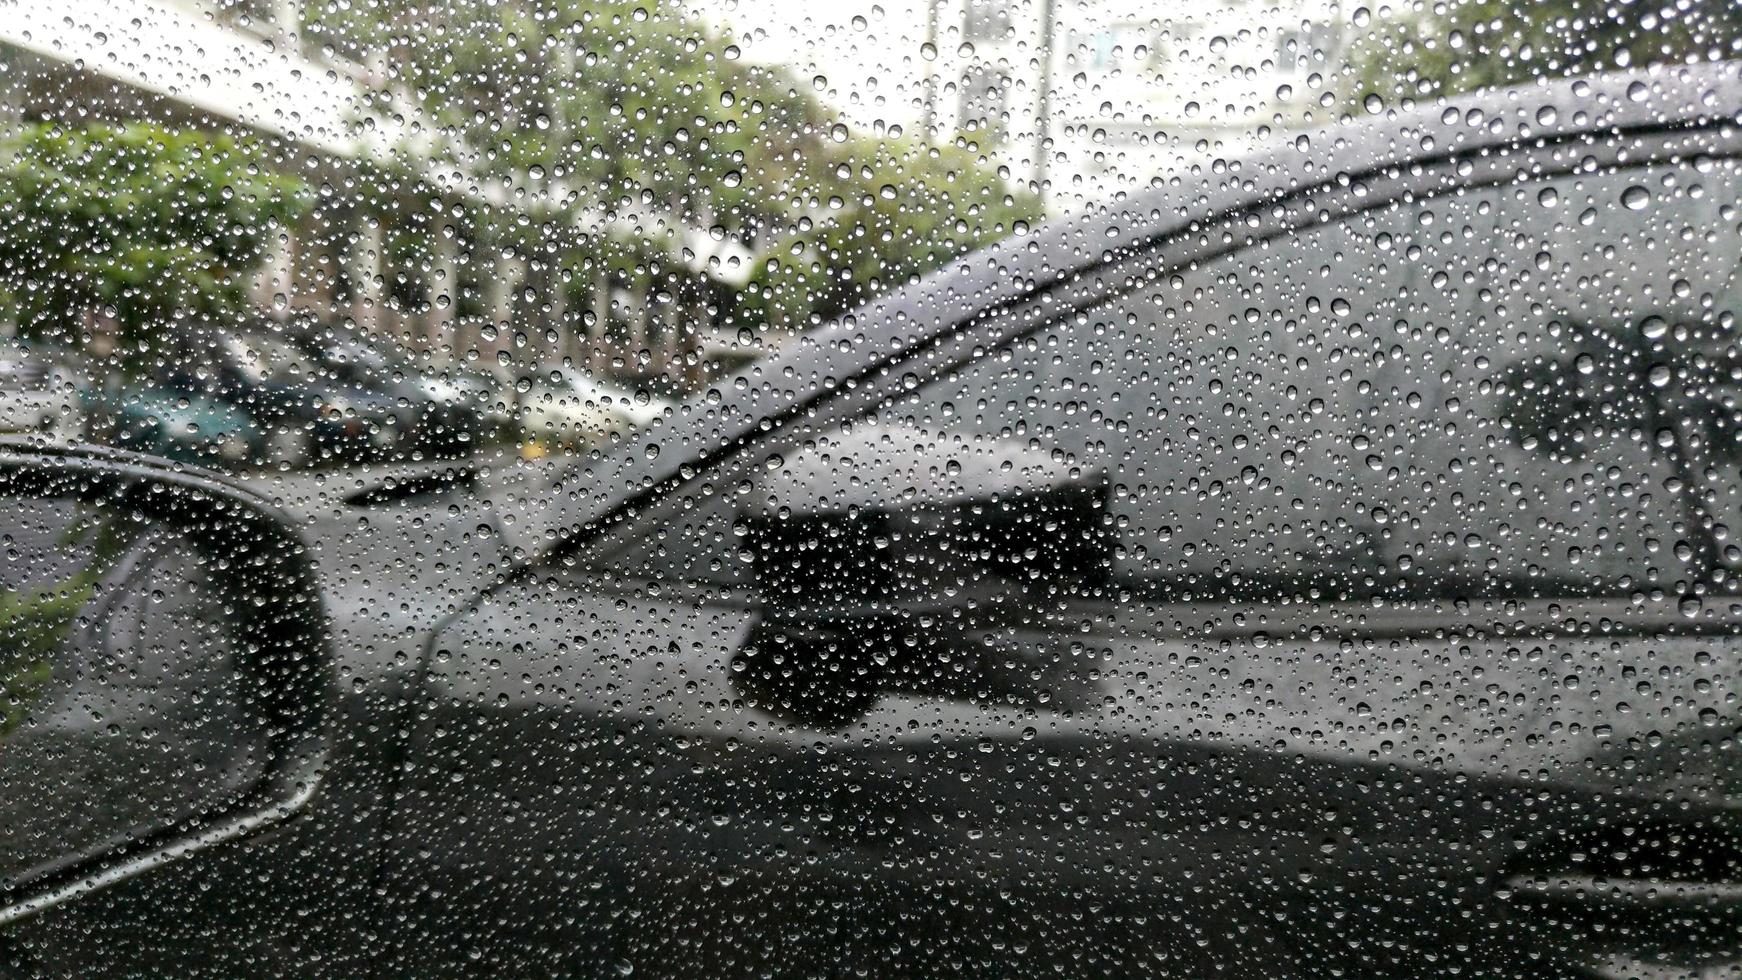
[161, 421]
[300, 413]
[562, 406]
[41, 392]
[489, 395]
[436, 415]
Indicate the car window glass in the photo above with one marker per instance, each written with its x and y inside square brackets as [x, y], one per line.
[940, 488]
[1520, 390]
[263, 358]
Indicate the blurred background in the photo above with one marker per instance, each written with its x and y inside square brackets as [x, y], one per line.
[271, 234]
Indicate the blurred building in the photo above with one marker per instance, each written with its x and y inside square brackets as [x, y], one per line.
[1119, 93]
[406, 264]
[1137, 95]
[239, 67]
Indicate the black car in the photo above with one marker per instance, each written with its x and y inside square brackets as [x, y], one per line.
[1324, 566]
[438, 415]
[480, 391]
[302, 413]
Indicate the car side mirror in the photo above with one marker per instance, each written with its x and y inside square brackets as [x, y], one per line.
[884, 556]
[164, 672]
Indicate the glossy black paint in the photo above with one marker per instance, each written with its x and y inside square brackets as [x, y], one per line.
[438, 414]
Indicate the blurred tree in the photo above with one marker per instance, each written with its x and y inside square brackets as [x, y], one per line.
[586, 108]
[1674, 385]
[628, 136]
[133, 224]
[1426, 49]
[894, 211]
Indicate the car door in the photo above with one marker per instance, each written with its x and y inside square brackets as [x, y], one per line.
[1348, 589]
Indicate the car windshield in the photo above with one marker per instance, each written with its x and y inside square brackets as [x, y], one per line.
[348, 357]
[261, 357]
[893, 488]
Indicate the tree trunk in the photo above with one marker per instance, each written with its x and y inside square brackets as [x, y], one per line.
[1699, 537]
[595, 339]
[1668, 412]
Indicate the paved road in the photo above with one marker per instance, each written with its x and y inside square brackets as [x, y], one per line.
[392, 568]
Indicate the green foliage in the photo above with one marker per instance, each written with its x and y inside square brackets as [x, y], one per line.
[589, 105]
[134, 222]
[623, 119]
[1429, 49]
[886, 213]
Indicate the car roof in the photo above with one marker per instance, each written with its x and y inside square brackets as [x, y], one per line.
[701, 431]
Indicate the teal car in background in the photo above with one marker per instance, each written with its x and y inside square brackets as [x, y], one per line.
[185, 428]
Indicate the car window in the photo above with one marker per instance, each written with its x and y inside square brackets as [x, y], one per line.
[1522, 390]
[1496, 392]
[260, 358]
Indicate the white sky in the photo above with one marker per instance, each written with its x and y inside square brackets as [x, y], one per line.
[866, 51]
